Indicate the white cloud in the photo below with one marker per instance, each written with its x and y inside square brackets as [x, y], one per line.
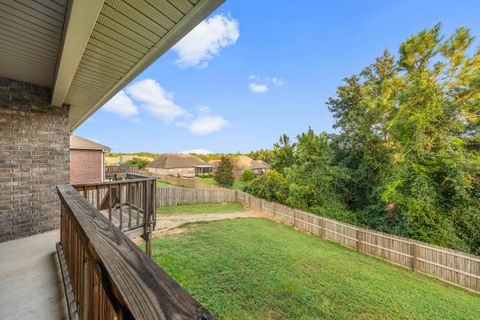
[122, 105]
[277, 82]
[205, 123]
[197, 151]
[257, 87]
[263, 84]
[156, 100]
[151, 97]
[206, 40]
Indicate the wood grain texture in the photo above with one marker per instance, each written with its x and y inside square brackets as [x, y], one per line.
[136, 287]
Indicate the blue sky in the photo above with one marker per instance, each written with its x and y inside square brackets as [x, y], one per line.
[257, 69]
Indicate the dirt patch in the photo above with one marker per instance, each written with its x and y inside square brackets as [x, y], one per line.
[168, 225]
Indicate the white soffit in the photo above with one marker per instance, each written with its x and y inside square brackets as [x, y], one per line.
[30, 36]
[127, 37]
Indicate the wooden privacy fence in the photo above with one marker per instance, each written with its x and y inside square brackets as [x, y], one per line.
[106, 276]
[455, 267]
[176, 196]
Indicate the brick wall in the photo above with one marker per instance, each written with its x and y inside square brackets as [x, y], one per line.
[86, 166]
[34, 158]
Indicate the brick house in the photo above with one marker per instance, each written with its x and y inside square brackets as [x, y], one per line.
[87, 164]
[61, 61]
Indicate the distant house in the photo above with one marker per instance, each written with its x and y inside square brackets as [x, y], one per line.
[242, 163]
[86, 160]
[179, 165]
[260, 167]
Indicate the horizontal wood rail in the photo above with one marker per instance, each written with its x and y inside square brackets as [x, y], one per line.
[110, 277]
[129, 203]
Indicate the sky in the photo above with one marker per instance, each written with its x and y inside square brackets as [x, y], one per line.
[254, 70]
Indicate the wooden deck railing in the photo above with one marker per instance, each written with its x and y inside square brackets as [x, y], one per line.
[106, 275]
[129, 203]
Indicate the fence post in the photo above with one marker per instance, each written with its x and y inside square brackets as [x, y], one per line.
[323, 225]
[414, 250]
[359, 239]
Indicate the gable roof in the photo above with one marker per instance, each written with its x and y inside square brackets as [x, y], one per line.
[78, 143]
[242, 162]
[259, 164]
[175, 160]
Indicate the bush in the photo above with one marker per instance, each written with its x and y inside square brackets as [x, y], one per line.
[139, 162]
[224, 174]
[248, 175]
[271, 186]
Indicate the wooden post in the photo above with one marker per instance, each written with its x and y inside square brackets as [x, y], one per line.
[154, 204]
[323, 225]
[110, 202]
[148, 214]
[414, 250]
[120, 213]
[98, 197]
[358, 234]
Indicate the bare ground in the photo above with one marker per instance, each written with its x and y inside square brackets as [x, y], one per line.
[168, 224]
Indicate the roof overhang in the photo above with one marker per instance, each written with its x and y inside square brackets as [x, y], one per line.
[88, 50]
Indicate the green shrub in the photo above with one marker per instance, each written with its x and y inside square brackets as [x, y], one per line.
[271, 186]
[247, 175]
[139, 162]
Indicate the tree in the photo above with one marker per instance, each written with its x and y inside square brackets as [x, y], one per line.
[224, 174]
[283, 154]
[409, 140]
[406, 159]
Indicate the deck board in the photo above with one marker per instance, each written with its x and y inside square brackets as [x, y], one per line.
[125, 217]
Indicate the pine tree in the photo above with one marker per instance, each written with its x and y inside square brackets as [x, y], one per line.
[224, 174]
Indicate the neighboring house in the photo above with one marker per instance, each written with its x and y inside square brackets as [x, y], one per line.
[242, 163]
[179, 165]
[260, 167]
[60, 61]
[86, 160]
[215, 164]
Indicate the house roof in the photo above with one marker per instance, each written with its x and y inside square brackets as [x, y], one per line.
[78, 143]
[87, 51]
[259, 164]
[175, 160]
[242, 162]
[214, 162]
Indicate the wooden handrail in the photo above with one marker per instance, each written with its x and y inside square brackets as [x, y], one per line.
[110, 276]
[129, 203]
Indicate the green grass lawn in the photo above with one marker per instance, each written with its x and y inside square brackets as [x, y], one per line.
[202, 208]
[260, 269]
[237, 184]
[161, 184]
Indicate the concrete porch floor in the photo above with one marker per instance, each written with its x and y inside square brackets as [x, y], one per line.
[30, 279]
